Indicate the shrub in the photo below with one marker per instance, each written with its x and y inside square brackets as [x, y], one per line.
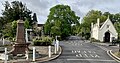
[94, 40]
[42, 41]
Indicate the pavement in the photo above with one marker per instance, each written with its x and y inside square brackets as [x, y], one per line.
[42, 50]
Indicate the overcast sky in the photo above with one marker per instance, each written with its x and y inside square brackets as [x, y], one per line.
[81, 7]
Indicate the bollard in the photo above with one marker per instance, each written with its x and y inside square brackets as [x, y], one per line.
[56, 37]
[5, 55]
[33, 53]
[3, 41]
[55, 48]
[57, 43]
[26, 35]
[27, 57]
[49, 51]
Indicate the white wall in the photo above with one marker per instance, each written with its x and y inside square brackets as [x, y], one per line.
[95, 31]
[104, 29]
[98, 33]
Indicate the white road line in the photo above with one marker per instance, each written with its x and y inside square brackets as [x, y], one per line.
[85, 52]
[78, 51]
[89, 51]
[72, 51]
[75, 44]
[91, 55]
[86, 55]
[80, 55]
[93, 60]
[97, 56]
[77, 56]
[94, 52]
[75, 51]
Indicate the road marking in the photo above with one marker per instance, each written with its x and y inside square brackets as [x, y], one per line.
[97, 56]
[75, 51]
[80, 55]
[93, 60]
[86, 55]
[81, 44]
[94, 52]
[89, 51]
[72, 51]
[91, 55]
[85, 52]
[78, 51]
[77, 56]
[103, 48]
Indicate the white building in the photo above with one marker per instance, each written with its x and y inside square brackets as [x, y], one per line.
[105, 32]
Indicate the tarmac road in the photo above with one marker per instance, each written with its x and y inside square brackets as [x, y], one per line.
[76, 50]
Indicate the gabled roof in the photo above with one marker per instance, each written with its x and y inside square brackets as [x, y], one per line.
[108, 19]
[40, 25]
[101, 24]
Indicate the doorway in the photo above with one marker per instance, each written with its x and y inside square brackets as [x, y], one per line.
[107, 37]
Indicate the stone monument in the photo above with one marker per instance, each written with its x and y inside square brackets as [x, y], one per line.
[20, 46]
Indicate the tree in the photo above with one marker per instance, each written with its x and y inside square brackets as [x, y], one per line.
[117, 26]
[12, 12]
[15, 11]
[60, 19]
[34, 18]
[27, 24]
[90, 17]
[9, 30]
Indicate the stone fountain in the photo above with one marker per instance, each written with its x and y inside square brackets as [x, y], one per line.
[20, 46]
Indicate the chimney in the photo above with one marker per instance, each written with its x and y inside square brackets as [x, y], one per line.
[91, 25]
[98, 22]
[91, 29]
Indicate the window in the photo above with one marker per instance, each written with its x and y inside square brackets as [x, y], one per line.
[108, 26]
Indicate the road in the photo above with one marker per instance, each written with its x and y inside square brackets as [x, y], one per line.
[76, 50]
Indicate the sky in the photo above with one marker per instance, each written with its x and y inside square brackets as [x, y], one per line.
[81, 7]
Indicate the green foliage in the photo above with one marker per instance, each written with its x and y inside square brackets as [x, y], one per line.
[42, 41]
[91, 17]
[75, 30]
[12, 12]
[10, 29]
[94, 40]
[34, 18]
[15, 11]
[59, 21]
[26, 24]
[117, 27]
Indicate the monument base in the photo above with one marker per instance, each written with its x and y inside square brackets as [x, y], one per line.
[20, 49]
